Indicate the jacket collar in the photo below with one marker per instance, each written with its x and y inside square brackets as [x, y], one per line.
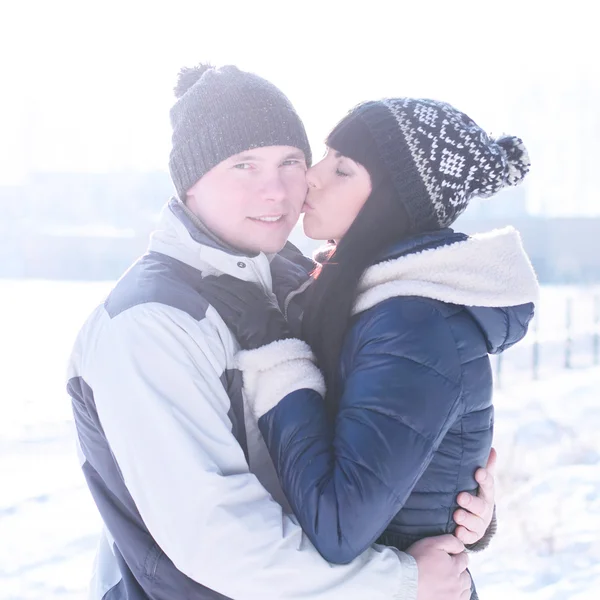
[177, 237]
[183, 238]
[425, 241]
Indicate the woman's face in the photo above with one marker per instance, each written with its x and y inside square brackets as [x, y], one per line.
[338, 187]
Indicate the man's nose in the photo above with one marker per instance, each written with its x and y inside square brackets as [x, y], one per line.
[274, 189]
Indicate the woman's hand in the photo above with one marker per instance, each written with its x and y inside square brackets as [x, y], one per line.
[476, 513]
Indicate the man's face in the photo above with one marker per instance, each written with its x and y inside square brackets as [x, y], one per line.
[253, 200]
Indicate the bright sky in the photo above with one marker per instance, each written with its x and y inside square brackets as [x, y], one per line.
[86, 86]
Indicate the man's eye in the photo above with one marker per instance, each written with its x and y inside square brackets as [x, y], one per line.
[290, 162]
[341, 173]
[242, 166]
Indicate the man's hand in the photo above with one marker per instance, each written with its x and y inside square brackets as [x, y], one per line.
[474, 520]
[442, 564]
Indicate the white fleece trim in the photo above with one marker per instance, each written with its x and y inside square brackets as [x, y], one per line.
[273, 371]
[273, 354]
[489, 269]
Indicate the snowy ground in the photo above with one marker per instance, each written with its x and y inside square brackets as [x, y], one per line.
[547, 436]
[48, 525]
[548, 545]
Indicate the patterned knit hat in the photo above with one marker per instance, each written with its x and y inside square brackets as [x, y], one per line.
[222, 112]
[436, 157]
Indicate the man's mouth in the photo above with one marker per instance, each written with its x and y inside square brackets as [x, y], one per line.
[268, 218]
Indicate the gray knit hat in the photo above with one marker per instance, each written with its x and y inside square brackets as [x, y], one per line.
[437, 158]
[222, 112]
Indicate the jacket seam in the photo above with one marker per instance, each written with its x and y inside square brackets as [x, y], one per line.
[472, 360]
[449, 522]
[143, 302]
[151, 561]
[158, 303]
[414, 361]
[397, 420]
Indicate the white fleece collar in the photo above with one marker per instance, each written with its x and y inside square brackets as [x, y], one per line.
[488, 269]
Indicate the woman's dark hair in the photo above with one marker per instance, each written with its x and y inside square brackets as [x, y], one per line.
[381, 222]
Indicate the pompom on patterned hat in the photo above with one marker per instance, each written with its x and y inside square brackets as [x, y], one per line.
[437, 157]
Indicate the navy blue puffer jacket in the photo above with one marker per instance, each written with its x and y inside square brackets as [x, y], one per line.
[415, 416]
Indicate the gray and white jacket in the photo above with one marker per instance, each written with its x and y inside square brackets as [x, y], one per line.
[173, 457]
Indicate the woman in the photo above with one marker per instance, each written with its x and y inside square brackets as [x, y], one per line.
[401, 318]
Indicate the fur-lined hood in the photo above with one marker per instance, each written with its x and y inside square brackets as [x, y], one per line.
[484, 270]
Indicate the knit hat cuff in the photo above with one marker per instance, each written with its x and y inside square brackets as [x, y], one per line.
[194, 155]
[395, 153]
[186, 165]
[352, 138]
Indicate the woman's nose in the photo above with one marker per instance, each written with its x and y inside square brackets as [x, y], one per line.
[311, 178]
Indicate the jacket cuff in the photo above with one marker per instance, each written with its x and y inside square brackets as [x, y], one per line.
[273, 371]
[409, 580]
[484, 542]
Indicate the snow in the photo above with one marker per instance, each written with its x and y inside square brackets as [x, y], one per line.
[548, 545]
[48, 523]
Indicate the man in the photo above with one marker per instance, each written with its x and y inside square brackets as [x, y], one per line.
[179, 472]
